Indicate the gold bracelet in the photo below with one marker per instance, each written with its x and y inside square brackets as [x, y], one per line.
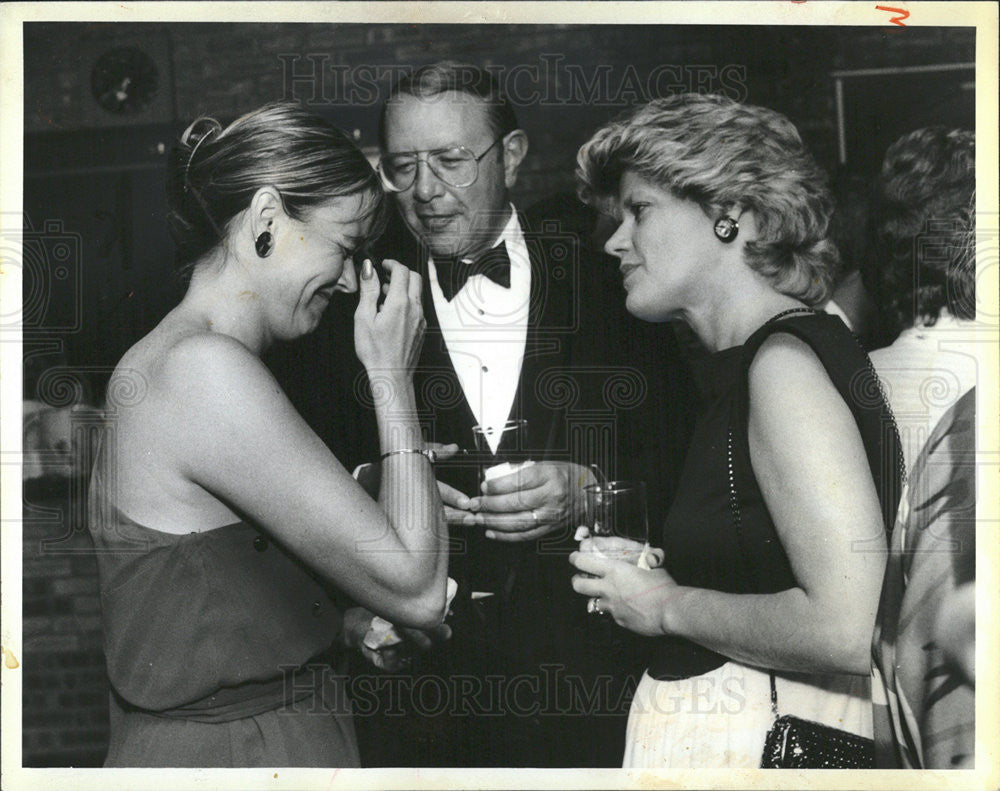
[430, 455]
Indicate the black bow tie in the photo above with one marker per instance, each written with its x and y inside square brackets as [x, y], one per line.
[453, 272]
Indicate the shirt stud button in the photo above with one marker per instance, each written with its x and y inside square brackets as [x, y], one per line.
[316, 608]
[260, 543]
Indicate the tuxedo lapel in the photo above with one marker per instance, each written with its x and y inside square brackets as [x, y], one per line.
[550, 323]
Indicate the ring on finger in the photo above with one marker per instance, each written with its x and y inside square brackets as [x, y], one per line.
[594, 605]
[534, 516]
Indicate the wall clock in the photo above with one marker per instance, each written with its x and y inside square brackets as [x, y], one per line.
[124, 80]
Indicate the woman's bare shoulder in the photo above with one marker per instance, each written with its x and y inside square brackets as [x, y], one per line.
[791, 392]
[786, 364]
[172, 372]
[171, 356]
[201, 353]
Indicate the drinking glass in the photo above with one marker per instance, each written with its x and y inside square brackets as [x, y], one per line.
[618, 508]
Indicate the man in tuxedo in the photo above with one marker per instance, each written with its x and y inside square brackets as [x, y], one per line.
[525, 321]
[496, 317]
[519, 327]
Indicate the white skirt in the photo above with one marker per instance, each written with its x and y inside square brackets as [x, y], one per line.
[719, 720]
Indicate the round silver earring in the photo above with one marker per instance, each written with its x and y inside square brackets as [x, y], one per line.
[264, 244]
[726, 229]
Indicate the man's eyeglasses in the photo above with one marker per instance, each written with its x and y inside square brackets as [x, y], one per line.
[456, 167]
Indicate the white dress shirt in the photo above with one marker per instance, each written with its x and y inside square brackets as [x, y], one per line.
[924, 372]
[485, 327]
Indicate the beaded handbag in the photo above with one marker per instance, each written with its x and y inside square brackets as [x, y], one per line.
[795, 743]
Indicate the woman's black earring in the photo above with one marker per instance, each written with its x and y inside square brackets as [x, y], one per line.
[726, 229]
[264, 244]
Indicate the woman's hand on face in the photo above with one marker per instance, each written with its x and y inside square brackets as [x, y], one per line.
[388, 339]
[636, 598]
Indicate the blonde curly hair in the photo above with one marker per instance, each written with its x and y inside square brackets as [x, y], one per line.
[721, 153]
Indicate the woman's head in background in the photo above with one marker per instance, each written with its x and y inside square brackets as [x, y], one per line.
[922, 264]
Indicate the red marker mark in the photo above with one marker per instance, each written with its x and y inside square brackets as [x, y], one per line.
[896, 20]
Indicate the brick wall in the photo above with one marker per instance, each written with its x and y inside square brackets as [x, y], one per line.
[65, 715]
[228, 69]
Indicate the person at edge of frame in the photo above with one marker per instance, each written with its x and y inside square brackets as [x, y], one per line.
[529, 678]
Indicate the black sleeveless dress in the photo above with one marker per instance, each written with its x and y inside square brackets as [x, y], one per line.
[702, 546]
[696, 708]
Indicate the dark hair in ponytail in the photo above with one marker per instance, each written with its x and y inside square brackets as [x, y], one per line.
[215, 172]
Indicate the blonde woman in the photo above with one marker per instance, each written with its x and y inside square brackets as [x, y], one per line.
[774, 548]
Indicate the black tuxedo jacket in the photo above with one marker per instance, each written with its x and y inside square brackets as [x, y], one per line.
[553, 325]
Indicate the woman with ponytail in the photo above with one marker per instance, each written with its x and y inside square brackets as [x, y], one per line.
[224, 527]
[773, 550]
